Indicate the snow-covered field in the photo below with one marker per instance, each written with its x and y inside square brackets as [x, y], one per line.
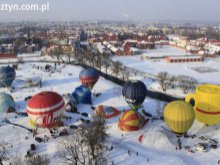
[205, 72]
[158, 145]
[164, 51]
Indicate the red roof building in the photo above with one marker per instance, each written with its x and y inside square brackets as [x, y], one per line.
[7, 55]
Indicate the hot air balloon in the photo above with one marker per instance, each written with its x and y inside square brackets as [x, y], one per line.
[131, 120]
[179, 116]
[89, 77]
[82, 94]
[106, 111]
[7, 76]
[45, 109]
[134, 93]
[206, 102]
[7, 103]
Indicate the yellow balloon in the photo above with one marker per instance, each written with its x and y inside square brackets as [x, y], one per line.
[179, 116]
[131, 120]
[207, 103]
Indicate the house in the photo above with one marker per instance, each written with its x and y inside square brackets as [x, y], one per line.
[145, 45]
[110, 37]
[66, 49]
[207, 53]
[7, 55]
[192, 49]
[181, 59]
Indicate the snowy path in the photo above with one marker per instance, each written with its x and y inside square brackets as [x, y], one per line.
[144, 153]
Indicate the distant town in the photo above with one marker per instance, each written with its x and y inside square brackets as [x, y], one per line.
[119, 39]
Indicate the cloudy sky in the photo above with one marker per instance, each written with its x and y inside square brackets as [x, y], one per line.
[171, 10]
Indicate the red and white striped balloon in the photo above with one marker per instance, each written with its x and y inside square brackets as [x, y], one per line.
[46, 108]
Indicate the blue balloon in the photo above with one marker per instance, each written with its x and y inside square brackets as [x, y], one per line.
[89, 77]
[7, 76]
[82, 94]
[134, 93]
[7, 103]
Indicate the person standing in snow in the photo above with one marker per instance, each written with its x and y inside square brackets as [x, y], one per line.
[137, 154]
[129, 153]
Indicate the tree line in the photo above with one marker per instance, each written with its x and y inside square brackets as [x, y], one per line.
[101, 61]
[184, 82]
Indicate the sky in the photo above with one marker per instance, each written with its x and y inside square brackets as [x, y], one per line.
[120, 10]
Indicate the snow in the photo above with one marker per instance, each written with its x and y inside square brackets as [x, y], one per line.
[160, 65]
[158, 145]
[164, 51]
[35, 54]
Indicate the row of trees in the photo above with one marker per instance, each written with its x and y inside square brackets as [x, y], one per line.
[102, 62]
[184, 82]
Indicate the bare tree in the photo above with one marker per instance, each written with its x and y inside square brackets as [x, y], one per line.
[37, 160]
[106, 62]
[56, 52]
[186, 83]
[71, 149]
[4, 155]
[80, 56]
[96, 137]
[172, 81]
[86, 146]
[98, 60]
[163, 79]
[116, 67]
[89, 58]
[124, 73]
[69, 53]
